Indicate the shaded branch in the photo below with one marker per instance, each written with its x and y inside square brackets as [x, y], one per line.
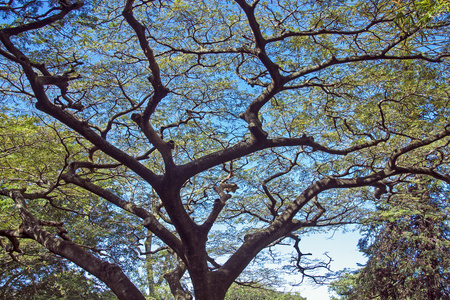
[245, 148]
[109, 273]
[223, 190]
[150, 221]
[173, 279]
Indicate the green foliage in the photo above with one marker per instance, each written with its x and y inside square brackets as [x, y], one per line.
[60, 285]
[37, 274]
[32, 156]
[238, 292]
[413, 13]
[407, 242]
[345, 287]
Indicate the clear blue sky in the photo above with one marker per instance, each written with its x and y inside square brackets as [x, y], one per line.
[341, 247]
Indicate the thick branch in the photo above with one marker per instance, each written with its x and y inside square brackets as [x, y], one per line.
[285, 222]
[260, 41]
[150, 221]
[160, 91]
[242, 149]
[80, 126]
[173, 279]
[381, 55]
[417, 144]
[219, 204]
[109, 273]
[310, 33]
[42, 23]
[148, 52]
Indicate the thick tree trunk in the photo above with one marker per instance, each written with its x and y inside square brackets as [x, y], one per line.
[205, 288]
[207, 285]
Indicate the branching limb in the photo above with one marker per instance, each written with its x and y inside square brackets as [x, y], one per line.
[304, 269]
[418, 144]
[153, 251]
[243, 149]
[109, 273]
[45, 105]
[160, 91]
[63, 11]
[260, 41]
[150, 220]
[223, 191]
[173, 279]
[13, 235]
[273, 201]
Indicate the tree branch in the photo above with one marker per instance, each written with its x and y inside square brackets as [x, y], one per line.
[109, 273]
[64, 10]
[150, 221]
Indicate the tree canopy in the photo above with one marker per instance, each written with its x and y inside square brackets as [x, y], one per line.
[209, 132]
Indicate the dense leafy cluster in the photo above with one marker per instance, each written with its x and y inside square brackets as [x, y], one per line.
[407, 242]
[244, 293]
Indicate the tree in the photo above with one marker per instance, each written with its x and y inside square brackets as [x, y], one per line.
[222, 128]
[407, 243]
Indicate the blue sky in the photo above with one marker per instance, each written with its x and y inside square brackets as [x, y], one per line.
[341, 247]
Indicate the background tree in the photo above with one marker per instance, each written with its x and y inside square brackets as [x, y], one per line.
[223, 128]
[237, 292]
[407, 243]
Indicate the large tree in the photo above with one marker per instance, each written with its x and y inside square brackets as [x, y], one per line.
[407, 243]
[217, 129]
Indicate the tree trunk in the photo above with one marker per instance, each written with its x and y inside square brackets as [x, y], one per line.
[149, 264]
[209, 290]
[207, 285]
